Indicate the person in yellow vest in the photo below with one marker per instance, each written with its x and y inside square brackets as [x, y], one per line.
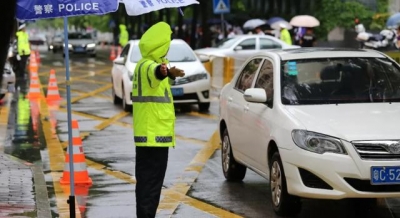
[285, 35]
[24, 50]
[153, 116]
[123, 35]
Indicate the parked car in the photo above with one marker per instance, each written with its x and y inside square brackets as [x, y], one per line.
[316, 122]
[8, 81]
[244, 46]
[81, 43]
[193, 88]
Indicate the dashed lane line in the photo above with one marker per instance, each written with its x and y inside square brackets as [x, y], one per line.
[207, 116]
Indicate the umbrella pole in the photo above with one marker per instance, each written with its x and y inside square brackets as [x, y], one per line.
[71, 200]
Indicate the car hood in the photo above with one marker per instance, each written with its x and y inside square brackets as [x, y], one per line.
[211, 51]
[80, 41]
[190, 68]
[370, 121]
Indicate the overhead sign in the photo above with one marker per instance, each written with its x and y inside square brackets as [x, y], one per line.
[138, 7]
[221, 6]
[40, 9]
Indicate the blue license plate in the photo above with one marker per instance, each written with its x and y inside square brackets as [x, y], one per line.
[79, 49]
[385, 175]
[177, 91]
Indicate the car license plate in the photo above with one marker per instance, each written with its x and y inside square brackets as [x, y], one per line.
[79, 49]
[385, 175]
[177, 91]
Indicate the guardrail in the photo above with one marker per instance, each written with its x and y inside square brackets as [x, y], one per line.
[222, 69]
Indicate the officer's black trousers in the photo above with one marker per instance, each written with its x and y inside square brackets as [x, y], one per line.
[151, 164]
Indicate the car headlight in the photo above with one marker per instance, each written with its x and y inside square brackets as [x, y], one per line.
[317, 143]
[191, 78]
[69, 45]
[91, 45]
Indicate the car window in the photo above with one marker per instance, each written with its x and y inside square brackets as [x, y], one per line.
[269, 44]
[265, 79]
[247, 75]
[176, 53]
[125, 51]
[248, 44]
[79, 36]
[226, 43]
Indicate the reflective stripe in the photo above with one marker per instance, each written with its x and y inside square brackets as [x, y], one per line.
[143, 99]
[159, 139]
[147, 73]
[76, 149]
[140, 139]
[163, 139]
[77, 167]
[75, 133]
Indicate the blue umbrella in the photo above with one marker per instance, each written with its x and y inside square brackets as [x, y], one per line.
[40, 9]
[274, 20]
[393, 20]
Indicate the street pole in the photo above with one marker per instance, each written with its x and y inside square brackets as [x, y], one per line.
[71, 200]
[223, 25]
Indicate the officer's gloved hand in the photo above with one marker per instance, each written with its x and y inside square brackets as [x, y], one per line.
[18, 57]
[176, 72]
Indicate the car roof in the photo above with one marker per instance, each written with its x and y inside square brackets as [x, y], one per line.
[320, 52]
[174, 41]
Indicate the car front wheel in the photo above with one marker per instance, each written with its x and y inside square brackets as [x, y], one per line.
[283, 203]
[233, 171]
[125, 106]
[203, 107]
[116, 99]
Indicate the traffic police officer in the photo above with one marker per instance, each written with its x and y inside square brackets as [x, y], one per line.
[153, 117]
[24, 50]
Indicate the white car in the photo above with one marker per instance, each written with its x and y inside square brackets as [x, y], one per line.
[316, 122]
[244, 46]
[193, 88]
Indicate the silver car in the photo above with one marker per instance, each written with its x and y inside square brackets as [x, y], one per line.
[82, 43]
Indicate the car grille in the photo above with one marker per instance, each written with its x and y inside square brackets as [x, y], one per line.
[378, 150]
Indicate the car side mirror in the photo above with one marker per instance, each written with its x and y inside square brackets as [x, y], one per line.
[204, 58]
[238, 48]
[119, 61]
[255, 95]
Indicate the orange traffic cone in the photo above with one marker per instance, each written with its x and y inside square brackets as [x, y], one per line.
[37, 57]
[34, 87]
[119, 50]
[112, 54]
[35, 104]
[81, 194]
[81, 175]
[52, 89]
[33, 66]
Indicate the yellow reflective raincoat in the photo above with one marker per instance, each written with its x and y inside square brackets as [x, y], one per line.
[153, 108]
[123, 35]
[285, 36]
[23, 43]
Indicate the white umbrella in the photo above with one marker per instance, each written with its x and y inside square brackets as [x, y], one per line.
[304, 21]
[277, 25]
[135, 7]
[254, 23]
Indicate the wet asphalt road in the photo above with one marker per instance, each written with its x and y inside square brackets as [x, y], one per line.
[194, 185]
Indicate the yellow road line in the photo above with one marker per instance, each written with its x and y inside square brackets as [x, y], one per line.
[208, 116]
[56, 159]
[82, 92]
[117, 174]
[209, 208]
[111, 120]
[89, 94]
[4, 114]
[94, 81]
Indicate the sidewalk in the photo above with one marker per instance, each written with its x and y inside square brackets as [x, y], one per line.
[22, 184]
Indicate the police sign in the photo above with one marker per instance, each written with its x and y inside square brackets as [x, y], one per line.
[39, 9]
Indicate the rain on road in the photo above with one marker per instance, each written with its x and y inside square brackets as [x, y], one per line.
[194, 185]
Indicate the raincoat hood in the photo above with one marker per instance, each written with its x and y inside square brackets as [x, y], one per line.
[122, 27]
[155, 42]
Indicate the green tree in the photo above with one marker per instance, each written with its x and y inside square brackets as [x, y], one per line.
[336, 13]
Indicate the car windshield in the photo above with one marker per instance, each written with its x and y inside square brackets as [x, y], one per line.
[176, 53]
[79, 36]
[339, 81]
[227, 43]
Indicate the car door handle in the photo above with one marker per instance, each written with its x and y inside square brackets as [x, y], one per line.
[246, 108]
